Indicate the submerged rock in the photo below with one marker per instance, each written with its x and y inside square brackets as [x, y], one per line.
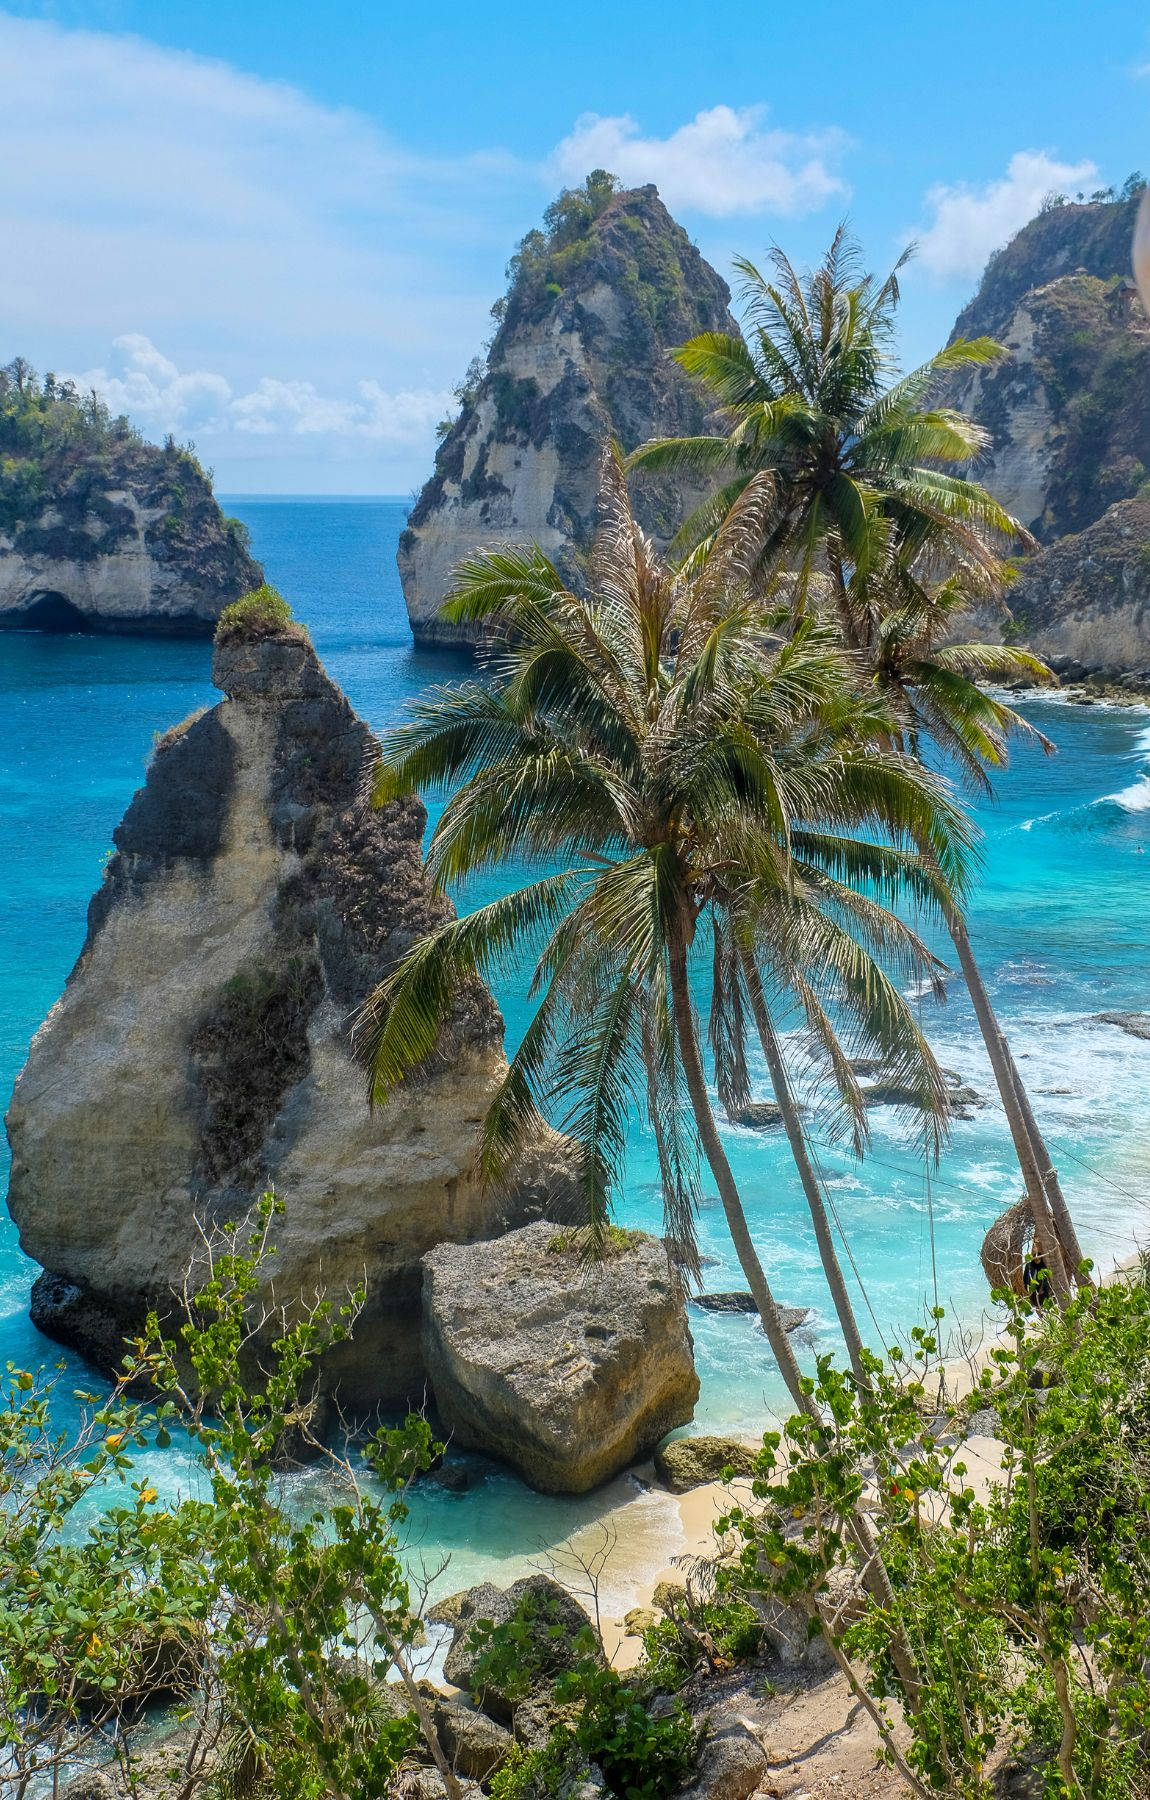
[1134, 1023]
[758, 1114]
[582, 353]
[959, 1098]
[567, 1370]
[690, 1462]
[741, 1300]
[200, 1050]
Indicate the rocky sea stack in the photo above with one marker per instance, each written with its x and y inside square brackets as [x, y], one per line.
[581, 353]
[200, 1050]
[102, 531]
[1069, 417]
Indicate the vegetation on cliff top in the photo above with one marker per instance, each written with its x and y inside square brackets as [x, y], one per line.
[1092, 234]
[624, 236]
[62, 449]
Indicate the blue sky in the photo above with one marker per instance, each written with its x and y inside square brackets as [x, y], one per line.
[277, 228]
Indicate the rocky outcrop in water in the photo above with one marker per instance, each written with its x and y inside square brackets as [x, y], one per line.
[567, 1369]
[581, 353]
[101, 531]
[1069, 416]
[200, 1050]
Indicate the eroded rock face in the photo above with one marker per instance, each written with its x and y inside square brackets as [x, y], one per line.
[568, 1371]
[133, 542]
[576, 359]
[1068, 412]
[1083, 602]
[200, 1050]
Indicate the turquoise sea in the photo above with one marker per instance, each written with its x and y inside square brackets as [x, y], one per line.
[1060, 920]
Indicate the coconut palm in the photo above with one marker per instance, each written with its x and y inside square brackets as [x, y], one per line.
[904, 626]
[863, 469]
[684, 776]
[810, 398]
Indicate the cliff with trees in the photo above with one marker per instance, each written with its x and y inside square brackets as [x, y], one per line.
[101, 530]
[581, 353]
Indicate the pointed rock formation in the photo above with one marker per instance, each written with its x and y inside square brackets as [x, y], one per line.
[200, 1049]
[582, 353]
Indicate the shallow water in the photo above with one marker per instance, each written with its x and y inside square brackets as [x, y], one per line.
[1059, 920]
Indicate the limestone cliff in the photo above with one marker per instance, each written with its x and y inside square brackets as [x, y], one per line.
[1069, 416]
[101, 531]
[200, 1049]
[581, 353]
[1084, 600]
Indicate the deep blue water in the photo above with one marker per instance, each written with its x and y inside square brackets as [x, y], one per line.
[1059, 920]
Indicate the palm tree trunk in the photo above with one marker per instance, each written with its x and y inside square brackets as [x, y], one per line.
[796, 1137]
[1068, 1235]
[875, 1576]
[720, 1168]
[1046, 1234]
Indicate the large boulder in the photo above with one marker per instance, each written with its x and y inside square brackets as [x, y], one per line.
[689, 1462]
[582, 353]
[474, 1744]
[732, 1763]
[201, 1048]
[566, 1368]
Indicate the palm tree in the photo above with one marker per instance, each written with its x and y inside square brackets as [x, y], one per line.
[645, 738]
[809, 398]
[905, 625]
[862, 472]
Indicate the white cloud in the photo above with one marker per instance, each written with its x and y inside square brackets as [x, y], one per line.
[250, 231]
[725, 161]
[147, 385]
[969, 222]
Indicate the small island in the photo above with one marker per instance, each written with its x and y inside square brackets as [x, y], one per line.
[102, 531]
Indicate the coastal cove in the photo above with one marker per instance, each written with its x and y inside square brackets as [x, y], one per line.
[1058, 919]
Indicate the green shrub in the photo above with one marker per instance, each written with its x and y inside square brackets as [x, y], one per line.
[264, 613]
[643, 1757]
[282, 1627]
[1028, 1605]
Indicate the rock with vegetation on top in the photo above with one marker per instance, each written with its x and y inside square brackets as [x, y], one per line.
[689, 1462]
[582, 353]
[1068, 411]
[567, 1368]
[556, 1633]
[201, 1048]
[102, 531]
